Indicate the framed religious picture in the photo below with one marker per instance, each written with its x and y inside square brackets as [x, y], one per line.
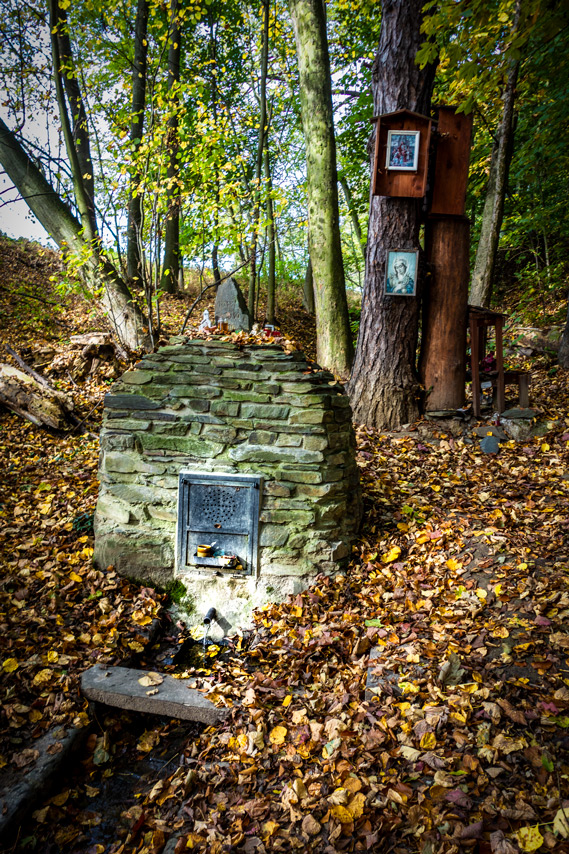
[401, 272]
[403, 150]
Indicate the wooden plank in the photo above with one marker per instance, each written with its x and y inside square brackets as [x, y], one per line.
[475, 364]
[443, 349]
[452, 162]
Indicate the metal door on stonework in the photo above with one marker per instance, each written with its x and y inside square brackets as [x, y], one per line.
[222, 511]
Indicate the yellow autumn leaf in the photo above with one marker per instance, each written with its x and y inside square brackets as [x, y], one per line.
[481, 593]
[270, 827]
[278, 735]
[352, 784]
[500, 632]
[9, 665]
[423, 538]
[453, 564]
[544, 448]
[356, 805]
[391, 555]
[43, 676]
[150, 679]
[52, 657]
[287, 700]
[561, 823]
[428, 741]
[499, 588]
[342, 814]
[242, 741]
[140, 618]
[529, 838]
[74, 577]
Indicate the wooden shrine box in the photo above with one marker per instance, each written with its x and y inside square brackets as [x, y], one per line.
[452, 162]
[404, 181]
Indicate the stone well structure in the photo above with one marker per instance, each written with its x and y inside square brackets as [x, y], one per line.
[214, 407]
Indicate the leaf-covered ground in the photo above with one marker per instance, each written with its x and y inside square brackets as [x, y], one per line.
[460, 584]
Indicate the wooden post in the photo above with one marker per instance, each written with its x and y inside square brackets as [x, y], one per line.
[443, 348]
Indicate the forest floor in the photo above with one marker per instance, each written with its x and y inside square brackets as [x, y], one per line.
[460, 581]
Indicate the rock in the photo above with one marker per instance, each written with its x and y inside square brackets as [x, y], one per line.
[491, 429]
[490, 445]
[230, 306]
[119, 687]
[517, 413]
[517, 428]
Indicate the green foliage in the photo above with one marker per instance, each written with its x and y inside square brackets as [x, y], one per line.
[175, 591]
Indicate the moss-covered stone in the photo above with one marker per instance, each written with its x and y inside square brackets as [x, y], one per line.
[255, 410]
[269, 453]
[130, 401]
[191, 445]
[225, 407]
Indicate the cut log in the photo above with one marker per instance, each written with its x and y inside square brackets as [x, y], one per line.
[35, 401]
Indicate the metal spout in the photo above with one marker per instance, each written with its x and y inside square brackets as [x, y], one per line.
[211, 615]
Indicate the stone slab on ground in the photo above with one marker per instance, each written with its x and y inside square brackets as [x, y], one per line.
[20, 791]
[119, 687]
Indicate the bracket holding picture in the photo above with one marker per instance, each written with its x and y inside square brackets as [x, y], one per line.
[401, 272]
[403, 150]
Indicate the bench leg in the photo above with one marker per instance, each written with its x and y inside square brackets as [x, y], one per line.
[523, 384]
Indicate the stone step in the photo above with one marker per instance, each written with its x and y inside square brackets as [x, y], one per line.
[119, 687]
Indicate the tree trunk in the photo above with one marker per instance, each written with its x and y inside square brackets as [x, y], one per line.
[482, 275]
[443, 346]
[65, 77]
[58, 25]
[125, 317]
[271, 276]
[308, 289]
[563, 354]
[135, 204]
[353, 212]
[259, 163]
[172, 231]
[334, 342]
[384, 388]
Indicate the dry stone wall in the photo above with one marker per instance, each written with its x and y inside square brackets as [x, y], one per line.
[218, 407]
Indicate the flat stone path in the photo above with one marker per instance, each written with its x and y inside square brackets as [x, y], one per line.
[119, 687]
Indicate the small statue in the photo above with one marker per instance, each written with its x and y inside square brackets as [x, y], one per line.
[205, 324]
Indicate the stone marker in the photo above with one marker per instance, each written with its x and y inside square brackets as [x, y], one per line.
[490, 445]
[230, 306]
[119, 687]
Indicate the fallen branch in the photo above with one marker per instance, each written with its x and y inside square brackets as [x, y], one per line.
[30, 396]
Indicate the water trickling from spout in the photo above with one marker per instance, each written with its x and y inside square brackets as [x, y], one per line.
[206, 633]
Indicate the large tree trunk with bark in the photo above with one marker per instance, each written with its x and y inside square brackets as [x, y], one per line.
[125, 317]
[135, 204]
[171, 265]
[334, 341]
[483, 273]
[384, 387]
